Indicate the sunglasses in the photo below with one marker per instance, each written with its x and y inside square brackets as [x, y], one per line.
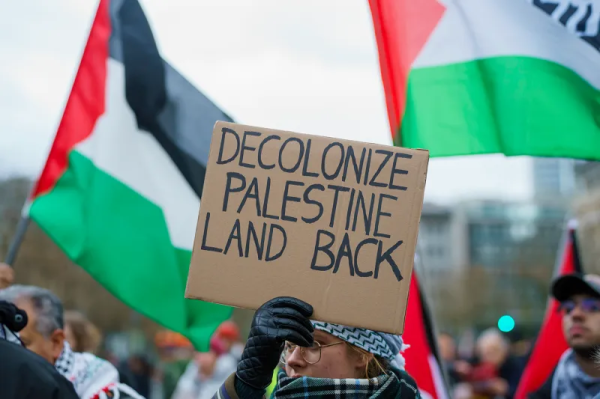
[588, 305]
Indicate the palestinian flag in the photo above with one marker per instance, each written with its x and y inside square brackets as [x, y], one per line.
[422, 358]
[551, 343]
[120, 190]
[518, 77]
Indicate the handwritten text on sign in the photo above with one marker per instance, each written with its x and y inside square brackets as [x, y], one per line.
[307, 216]
[338, 163]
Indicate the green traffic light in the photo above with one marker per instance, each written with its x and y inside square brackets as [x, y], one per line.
[506, 323]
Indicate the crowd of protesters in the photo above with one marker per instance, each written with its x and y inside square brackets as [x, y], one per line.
[59, 348]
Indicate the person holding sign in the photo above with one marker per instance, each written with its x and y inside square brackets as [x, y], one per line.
[317, 359]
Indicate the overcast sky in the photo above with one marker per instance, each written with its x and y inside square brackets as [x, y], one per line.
[308, 66]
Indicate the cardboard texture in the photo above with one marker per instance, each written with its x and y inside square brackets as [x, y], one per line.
[332, 222]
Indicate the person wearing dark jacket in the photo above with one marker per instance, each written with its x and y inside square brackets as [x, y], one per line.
[26, 375]
[318, 360]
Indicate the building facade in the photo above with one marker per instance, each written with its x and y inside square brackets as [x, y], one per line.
[434, 244]
[491, 257]
[553, 177]
[587, 210]
[587, 175]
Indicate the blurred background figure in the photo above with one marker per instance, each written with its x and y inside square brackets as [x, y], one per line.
[137, 371]
[447, 348]
[456, 368]
[208, 371]
[174, 352]
[81, 333]
[496, 373]
[520, 346]
[229, 335]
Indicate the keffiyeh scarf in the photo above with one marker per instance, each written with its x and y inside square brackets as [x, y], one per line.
[90, 375]
[8, 335]
[570, 382]
[387, 346]
[383, 387]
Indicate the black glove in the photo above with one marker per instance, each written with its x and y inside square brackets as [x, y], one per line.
[279, 320]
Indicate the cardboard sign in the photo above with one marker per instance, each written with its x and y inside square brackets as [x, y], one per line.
[332, 222]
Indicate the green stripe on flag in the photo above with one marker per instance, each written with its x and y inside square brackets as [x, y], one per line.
[514, 105]
[121, 239]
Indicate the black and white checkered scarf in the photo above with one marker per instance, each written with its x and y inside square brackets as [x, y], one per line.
[384, 345]
[92, 377]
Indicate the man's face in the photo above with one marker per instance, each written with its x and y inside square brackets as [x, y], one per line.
[492, 350]
[581, 322]
[47, 347]
[447, 347]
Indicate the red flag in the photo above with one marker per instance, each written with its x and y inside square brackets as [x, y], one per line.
[551, 343]
[422, 362]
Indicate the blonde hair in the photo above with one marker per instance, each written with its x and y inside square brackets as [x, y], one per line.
[87, 335]
[375, 366]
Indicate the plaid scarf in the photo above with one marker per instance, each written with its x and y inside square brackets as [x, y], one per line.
[383, 387]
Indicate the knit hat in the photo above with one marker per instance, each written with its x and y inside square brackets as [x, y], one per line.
[385, 345]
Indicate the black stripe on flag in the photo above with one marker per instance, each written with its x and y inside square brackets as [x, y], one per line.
[576, 257]
[165, 104]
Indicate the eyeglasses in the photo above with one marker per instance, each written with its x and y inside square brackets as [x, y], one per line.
[311, 355]
[588, 305]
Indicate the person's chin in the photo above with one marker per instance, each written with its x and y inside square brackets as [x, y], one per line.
[584, 348]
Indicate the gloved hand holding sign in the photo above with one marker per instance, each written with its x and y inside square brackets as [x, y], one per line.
[278, 320]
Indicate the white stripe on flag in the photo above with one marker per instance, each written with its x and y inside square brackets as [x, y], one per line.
[438, 380]
[476, 29]
[135, 158]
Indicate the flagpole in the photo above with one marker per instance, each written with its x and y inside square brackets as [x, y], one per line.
[19, 236]
[17, 240]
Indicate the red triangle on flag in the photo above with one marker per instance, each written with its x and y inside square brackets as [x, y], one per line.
[551, 343]
[401, 29]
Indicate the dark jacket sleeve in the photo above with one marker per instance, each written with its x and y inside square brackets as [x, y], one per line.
[25, 375]
[545, 391]
[233, 388]
[227, 390]
[408, 387]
